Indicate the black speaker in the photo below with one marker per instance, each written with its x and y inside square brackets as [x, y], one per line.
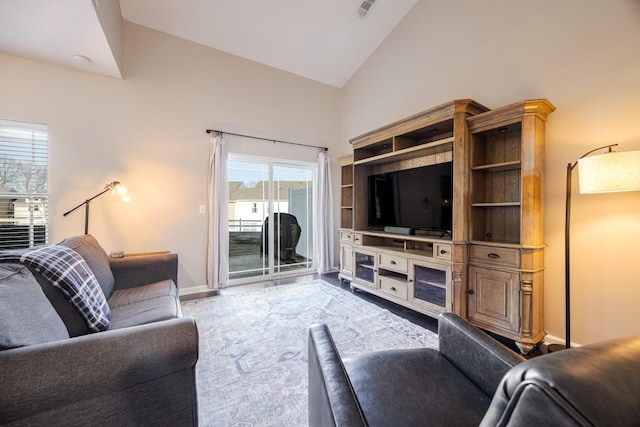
[399, 230]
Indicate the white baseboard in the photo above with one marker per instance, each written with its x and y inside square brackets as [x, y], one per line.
[194, 290]
[552, 339]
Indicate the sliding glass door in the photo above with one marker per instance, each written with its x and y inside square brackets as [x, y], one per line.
[271, 218]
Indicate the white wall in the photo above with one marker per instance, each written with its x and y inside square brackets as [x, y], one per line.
[584, 56]
[148, 131]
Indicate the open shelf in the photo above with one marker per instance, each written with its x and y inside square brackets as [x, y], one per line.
[346, 172]
[346, 192]
[366, 156]
[392, 275]
[496, 223]
[347, 196]
[496, 184]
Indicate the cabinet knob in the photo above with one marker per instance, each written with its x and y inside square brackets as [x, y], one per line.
[392, 262]
[493, 256]
[410, 280]
[393, 288]
[442, 251]
[470, 292]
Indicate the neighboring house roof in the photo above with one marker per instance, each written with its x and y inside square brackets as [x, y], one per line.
[239, 191]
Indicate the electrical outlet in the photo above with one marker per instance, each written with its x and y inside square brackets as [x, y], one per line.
[203, 209]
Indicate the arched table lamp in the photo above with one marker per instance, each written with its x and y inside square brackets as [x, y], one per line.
[114, 187]
[603, 173]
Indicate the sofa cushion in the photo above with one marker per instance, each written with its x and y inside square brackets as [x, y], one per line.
[96, 257]
[414, 387]
[122, 297]
[144, 304]
[145, 311]
[75, 323]
[26, 316]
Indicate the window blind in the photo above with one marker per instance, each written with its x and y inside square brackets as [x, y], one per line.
[23, 184]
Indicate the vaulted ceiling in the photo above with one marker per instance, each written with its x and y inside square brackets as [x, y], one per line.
[326, 40]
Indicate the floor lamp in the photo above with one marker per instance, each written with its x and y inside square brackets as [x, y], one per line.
[114, 186]
[604, 173]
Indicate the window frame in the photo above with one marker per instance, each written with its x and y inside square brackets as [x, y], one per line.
[24, 189]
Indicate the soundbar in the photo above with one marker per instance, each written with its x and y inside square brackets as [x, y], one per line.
[399, 230]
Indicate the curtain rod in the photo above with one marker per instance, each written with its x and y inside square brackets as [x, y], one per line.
[267, 139]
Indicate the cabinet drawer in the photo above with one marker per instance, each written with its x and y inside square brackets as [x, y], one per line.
[498, 256]
[393, 288]
[346, 236]
[357, 238]
[393, 262]
[441, 251]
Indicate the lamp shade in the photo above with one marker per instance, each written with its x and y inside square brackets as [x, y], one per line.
[610, 172]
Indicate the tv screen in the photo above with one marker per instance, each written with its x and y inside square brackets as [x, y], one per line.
[418, 198]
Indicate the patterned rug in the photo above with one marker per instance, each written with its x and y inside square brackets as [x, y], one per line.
[252, 369]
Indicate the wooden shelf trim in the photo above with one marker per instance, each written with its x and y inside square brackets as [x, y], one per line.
[426, 118]
[498, 167]
[510, 114]
[495, 204]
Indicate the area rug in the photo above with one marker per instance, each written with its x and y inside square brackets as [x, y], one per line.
[252, 369]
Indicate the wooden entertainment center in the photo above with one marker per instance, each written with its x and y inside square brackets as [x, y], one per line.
[489, 268]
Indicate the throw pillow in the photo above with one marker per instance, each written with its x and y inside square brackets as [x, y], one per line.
[26, 316]
[65, 269]
[96, 257]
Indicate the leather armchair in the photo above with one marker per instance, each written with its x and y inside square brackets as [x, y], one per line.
[472, 380]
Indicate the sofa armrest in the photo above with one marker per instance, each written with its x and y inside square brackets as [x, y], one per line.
[479, 357]
[594, 385]
[40, 378]
[130, 272]
[332, 401]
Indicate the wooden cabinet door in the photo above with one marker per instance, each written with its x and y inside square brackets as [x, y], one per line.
[494, 299]
[346, 260]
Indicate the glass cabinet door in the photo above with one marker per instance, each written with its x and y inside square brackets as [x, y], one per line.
[430, 286]
[364, 267]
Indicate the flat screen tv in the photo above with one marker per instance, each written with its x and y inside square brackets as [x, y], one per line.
[418, 198]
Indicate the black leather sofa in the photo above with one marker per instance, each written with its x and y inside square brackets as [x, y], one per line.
[473, 380]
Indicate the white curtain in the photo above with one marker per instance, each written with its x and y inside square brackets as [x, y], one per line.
[218, 202]
[324, 229]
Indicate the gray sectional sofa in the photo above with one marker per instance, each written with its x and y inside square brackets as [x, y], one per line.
[122, 356]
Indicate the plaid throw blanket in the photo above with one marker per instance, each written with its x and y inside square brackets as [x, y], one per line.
[65, 269]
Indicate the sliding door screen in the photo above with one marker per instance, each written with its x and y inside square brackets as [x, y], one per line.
[271, 218]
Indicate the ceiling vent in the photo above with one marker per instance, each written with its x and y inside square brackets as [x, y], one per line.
[365, 7]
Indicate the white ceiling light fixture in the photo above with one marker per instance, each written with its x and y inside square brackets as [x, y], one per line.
[365, 7]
